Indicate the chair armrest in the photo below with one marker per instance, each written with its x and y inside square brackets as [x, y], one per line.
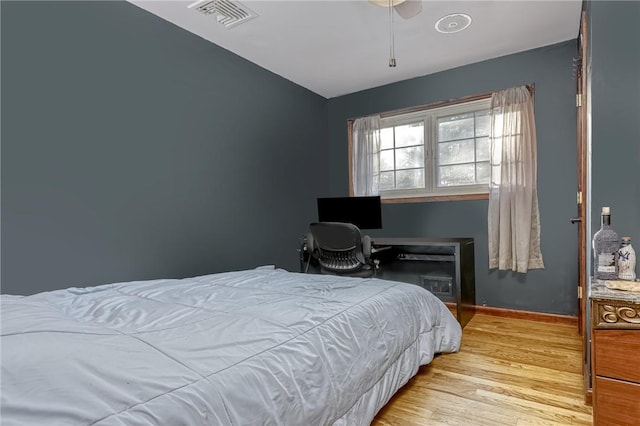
[308, 244]
[379, 249]
[367, 248]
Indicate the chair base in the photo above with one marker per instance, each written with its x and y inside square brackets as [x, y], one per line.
[365, 272]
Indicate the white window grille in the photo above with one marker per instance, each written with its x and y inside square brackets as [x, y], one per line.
[436, 152]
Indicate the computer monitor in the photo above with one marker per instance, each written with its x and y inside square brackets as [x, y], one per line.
[364, 212]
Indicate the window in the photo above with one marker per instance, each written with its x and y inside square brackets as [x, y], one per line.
[441, 151]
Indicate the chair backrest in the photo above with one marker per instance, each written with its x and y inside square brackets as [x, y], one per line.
[338, 246]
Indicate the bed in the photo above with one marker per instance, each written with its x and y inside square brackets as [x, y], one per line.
[255, 347]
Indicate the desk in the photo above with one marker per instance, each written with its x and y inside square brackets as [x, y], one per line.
[444, 266]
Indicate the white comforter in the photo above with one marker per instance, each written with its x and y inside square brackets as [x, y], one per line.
[257, 347]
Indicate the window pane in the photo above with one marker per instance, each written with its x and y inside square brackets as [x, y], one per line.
[483, 149]
[407, 179]
[386, 181]
[462, 174]
[455, 127]
[386, 138]
[410, 134]
[482, 123]
[456, 152]
[386, 160]
[411, 157]
[443, 150]
[483, 172]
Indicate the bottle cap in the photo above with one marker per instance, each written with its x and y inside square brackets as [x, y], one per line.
[606, 210]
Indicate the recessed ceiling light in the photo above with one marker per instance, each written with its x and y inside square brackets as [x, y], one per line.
[453, 23]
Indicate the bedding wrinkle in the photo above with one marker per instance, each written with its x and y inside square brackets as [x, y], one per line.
[322, 351]
[405, 378]
[45, 331]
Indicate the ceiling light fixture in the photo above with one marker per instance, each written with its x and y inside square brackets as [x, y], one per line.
[391, 4]
[453, 23]
[406, 9]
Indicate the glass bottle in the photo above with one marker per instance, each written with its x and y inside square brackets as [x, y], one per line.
[626, 260]
[605, 249]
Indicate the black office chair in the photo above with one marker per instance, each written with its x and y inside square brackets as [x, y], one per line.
[340, 249]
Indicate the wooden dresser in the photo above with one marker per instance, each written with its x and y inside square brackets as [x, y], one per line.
[615, 351]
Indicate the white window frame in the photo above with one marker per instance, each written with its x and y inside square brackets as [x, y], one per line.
[429, 118]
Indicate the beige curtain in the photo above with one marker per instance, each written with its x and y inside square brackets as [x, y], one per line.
[513, 219]
[366, 155]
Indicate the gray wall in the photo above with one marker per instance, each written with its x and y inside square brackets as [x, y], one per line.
[615, 90]
[132, 149]
[551, 290]
[125, 153]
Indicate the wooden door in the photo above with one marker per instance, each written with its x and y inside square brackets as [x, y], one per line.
[580, 219]
[581, 202]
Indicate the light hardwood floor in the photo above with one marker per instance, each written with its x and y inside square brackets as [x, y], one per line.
[508, 372]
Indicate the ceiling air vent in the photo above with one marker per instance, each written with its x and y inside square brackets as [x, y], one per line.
[228, 13]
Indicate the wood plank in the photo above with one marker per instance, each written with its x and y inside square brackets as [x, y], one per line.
[535, 316]
[617, 402]
[563, 383]
[613, 349]
[509, 371]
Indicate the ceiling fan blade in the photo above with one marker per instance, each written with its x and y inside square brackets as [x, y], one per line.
[409, 8]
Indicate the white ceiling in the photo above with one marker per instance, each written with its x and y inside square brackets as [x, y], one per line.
[336, 47]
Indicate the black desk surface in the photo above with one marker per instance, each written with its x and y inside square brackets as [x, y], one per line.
[416, 241]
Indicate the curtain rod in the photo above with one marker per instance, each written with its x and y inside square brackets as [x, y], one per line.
[530, 87]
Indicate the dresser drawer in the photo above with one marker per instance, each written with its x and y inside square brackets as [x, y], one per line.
[617, 354]
[616, 402]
